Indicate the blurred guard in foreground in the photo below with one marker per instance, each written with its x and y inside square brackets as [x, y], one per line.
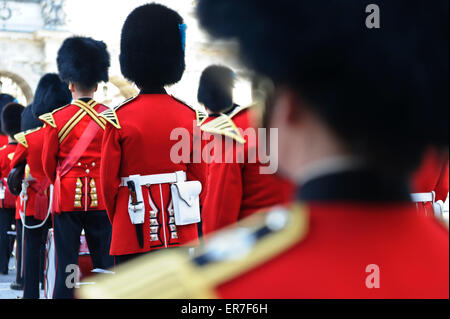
[71, 160]
[10, 124]
[349, 100]
[51, 94]
[144, 188]
[236, 186]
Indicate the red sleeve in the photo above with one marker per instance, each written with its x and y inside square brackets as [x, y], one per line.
[442, 185]
[50, 149]
[109, 168]
[20, 155]
[198, 171]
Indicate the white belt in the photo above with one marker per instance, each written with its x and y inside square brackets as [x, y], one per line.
[155, 179]
[423, 197]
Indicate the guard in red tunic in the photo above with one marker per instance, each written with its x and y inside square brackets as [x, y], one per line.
[50, 94]
[348, 99]
[236, 186]
[10, 124]
[71, 161]
[152, 198]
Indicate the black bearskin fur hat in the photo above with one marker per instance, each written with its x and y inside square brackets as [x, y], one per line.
[84, 61]
[10, 118]
[152, 46]
[29, 120]
[51, 93]
[4, 99]
[216, 88]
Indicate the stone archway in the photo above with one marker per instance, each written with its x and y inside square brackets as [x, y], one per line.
[15, 85]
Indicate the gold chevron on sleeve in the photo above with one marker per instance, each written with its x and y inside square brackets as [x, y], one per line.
[110, 116]
[48, 119]
[201, 117]
[21, 138]
[224, 125]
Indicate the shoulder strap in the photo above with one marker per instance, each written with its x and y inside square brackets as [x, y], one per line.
[21, 138]
[110, 114]
[245, 246]
[225, 126]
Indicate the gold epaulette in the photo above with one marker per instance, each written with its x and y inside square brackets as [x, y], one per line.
[21, 138]
[201, 117]
[111, 116]
[48, 117]
[225, 126]
[176, 274]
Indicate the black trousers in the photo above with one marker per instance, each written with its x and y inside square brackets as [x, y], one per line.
[19, 265]
[34, 257]
[67, 230]
[6, 220]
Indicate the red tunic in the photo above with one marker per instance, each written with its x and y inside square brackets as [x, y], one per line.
[80, 186]
[30, 150]
[237, 190]
[139, 142]
[343, 240]
[3, 140]
[6, 155]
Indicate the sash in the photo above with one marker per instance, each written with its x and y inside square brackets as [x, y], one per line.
[69, 162]
[40, 198]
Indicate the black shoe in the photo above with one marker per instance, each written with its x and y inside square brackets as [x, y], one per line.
[16, 286]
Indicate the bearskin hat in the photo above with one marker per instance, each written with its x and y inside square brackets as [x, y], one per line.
[152, 46]
[383, 91]
[84, 61]
[216, 88]
[5, 99]
[51, 93]
[10, 118]
[29, 121]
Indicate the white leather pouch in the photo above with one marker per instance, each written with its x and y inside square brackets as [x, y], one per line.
[186, 202]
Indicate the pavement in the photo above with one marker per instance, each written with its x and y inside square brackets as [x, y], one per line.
[5, 281]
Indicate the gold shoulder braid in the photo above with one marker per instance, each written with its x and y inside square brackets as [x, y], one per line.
[110, 114]
[21, 138]
[173, 274]
[48, 117]
[201, 117]
[224, 125]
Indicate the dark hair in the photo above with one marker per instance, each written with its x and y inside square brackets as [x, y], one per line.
[384, 91]
[51, 93]
[10, 118]
[216, 88]
[83, 61]
[151, 48]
